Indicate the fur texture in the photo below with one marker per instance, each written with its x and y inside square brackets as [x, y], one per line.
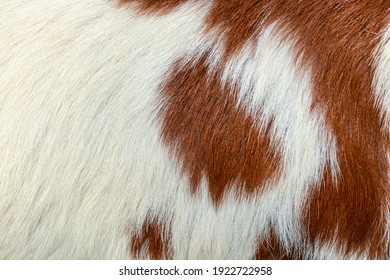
[193, 129]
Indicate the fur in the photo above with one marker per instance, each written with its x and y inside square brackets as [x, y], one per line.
[191, 129]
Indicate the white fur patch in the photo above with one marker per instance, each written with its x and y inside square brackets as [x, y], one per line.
[382, 90]
[382, 77]
[282, 93]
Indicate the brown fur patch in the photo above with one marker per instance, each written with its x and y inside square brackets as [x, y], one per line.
[212, 135]
[339, 40]
[155, 6]
[152, 240]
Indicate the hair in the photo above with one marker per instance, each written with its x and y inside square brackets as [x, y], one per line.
[194, 129]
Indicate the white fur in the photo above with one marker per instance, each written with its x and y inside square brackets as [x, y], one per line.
[282, 93]
[382, 76]
[81, 153]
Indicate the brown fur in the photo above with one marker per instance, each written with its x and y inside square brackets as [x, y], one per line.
[151, 238]
[211, 136]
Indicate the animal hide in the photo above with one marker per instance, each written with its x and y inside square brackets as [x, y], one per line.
[194, 129]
